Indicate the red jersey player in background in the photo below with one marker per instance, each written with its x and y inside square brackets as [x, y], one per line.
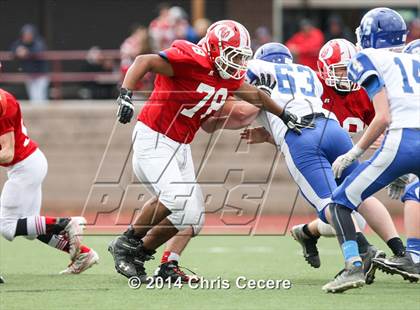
[22, 194]
[192, 83]
[345, 101]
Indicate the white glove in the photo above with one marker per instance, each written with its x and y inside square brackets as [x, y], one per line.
[396, 187]
[345, 160]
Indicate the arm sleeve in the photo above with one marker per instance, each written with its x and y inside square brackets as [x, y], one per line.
[373, 84]
[362, 71]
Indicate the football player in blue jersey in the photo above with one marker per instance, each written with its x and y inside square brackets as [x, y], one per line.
[392, 81]
[408, 266]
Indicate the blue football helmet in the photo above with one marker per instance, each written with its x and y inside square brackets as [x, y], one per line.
[413, 47]
[274, 52]
[381, 28]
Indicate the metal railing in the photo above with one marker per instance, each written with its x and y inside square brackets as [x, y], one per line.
[56, 75]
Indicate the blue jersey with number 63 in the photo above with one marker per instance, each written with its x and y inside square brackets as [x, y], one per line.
[298, 90]
[399, 73]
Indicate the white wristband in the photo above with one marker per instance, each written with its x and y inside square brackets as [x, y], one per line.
[356, 151]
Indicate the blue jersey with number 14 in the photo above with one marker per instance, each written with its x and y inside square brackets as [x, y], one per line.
[399, 73]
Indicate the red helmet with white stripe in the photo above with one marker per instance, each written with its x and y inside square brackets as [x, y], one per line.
[332, 64]
[229, 47]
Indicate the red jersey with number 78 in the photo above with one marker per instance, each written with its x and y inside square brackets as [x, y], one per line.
[179, 104]
[11, 120]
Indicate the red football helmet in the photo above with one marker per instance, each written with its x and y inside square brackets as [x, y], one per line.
[332, 64]
[229, 46]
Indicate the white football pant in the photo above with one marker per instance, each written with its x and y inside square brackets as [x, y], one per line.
[167, 169]
[22, 193]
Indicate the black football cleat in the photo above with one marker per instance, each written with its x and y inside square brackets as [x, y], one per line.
[369, 268]
[402, 265]
[171, 270]
[124, 263]
[310, 250]
[1, 280]
[129, 255]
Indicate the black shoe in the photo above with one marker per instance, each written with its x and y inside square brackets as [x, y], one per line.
[1, 280]
[129, 255]
[172, 271]
[310, 251]
[402, 265]
[369, 268]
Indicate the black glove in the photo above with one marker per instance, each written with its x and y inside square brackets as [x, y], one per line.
[266, 83]
[125, 107]
[291, 122]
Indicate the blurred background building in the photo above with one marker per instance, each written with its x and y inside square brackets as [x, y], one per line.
[148, 26]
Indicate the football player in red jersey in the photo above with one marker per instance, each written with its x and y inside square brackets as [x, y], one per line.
[22, 194]
[192, 83]
[344, 100]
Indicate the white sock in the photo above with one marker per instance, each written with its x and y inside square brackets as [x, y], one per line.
[173, 256]
[35, 225]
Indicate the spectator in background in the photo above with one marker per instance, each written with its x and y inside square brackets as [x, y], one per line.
[306, 43]
[262, 36]
[96, 62]
[337, 29]
[161, 30]
[27, 49]
[200, 26]
[413, 30]
[138, 43]
[182, 28]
